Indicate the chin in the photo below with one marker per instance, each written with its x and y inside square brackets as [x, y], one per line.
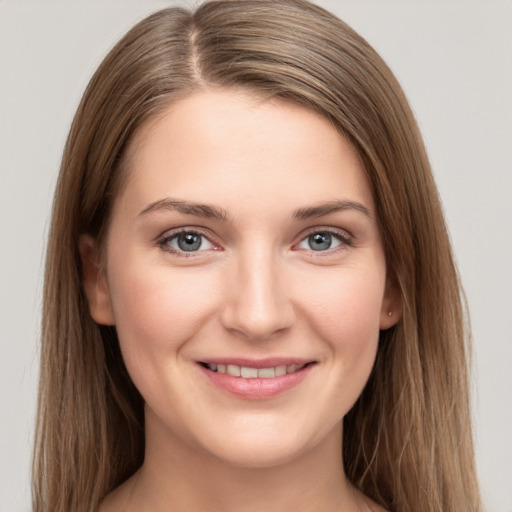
[259, 455]
[264, 446]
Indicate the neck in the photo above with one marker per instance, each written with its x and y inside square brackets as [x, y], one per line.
[177, 476]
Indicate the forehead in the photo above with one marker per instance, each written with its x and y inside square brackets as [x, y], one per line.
[232, 146]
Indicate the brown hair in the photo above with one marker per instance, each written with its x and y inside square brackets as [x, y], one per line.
[407, 441]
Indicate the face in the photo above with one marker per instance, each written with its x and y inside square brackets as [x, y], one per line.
[245, 275]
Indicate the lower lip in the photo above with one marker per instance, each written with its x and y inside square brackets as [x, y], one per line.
[256, 389]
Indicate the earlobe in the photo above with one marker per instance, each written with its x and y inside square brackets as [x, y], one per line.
[391, 310]
[95, 282]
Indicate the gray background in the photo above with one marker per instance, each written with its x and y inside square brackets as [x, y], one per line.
[454, 59]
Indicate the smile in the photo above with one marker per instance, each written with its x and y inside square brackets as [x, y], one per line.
[256, 380]
[246, 372]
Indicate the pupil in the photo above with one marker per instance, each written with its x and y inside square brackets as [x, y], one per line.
[320, 241]
[189, 242]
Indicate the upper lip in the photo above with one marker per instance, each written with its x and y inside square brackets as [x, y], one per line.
[266, 362]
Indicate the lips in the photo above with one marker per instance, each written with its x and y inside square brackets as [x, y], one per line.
[256, 379]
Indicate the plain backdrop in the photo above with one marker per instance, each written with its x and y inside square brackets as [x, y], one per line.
[454, 60]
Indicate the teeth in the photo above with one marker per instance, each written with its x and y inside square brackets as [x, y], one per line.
[254, 373]
[233, 370]
[266, 373]
[280, 370]
[249, 373]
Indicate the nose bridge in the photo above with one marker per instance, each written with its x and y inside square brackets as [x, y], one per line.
[258, 304]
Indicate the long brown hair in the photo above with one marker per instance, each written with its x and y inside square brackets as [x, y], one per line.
[407, 441]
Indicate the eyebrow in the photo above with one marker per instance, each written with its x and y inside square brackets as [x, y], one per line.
[197, 209]
[214, 212]
[330, 207]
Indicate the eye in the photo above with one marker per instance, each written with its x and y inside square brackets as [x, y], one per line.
[323, 241]
[186, 241]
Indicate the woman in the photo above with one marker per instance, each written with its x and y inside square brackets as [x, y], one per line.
[250, 296]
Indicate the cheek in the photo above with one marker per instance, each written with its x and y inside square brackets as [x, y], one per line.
[158, 309]
[347, 302]
[349, 326]
[344, 310]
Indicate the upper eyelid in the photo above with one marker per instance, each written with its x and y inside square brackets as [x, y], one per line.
[343, 233]
[171, 233]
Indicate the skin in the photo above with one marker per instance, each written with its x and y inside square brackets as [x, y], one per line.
[255, 289]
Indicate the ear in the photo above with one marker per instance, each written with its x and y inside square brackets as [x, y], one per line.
[95, 282]
[391, 310]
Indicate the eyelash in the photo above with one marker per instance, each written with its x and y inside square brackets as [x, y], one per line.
[163, 242]
[343, 237]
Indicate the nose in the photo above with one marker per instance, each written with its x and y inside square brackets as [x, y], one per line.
[258, 305]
